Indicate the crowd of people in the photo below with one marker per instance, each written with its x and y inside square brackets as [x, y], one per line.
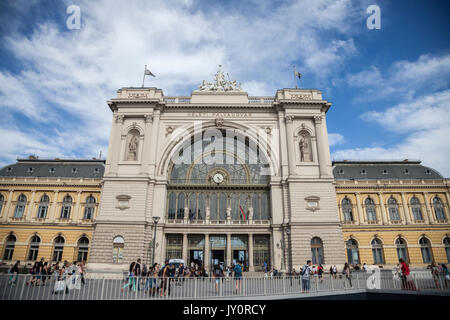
[158, 279]
[66, 275]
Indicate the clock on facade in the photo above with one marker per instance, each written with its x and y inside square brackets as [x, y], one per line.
[218, 178]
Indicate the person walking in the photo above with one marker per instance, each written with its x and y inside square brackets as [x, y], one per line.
[131, 278]
[13, 274]
[164, 274]
[346, 273]
[238, 276]
[306, 276]
[435, 272]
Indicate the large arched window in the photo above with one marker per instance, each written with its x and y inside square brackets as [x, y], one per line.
[83, 249]
[370, 210]
[33, 251]
[377, 251]
[352, 251]
[58, 248]
[347, 209]
[425, 248]
[416, 209]
[66, 207]
[118, 245]
[232, 173]
[172, 205]
[9, 247]
[393, 209]
[2, 199]
[89, 209]
[438, 209]
[43, 207]
[20, 206]
[446, 242]
[402, 249]
[317, 251]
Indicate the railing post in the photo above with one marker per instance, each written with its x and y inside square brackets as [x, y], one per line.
[264, 284]
[332, 284]
[23, 285]
[284, 284]
[195, 287]
[103, 285]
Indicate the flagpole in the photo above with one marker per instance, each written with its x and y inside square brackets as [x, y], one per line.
[295, 79]
[143, 78]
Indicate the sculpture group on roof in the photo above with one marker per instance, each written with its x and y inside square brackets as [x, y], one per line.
[220, 84]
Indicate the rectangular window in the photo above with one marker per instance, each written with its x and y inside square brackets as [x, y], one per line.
[42, 212]
[18, 213]
[65, 212]
[88, 213]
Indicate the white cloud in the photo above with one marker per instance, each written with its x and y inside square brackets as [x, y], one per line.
[69, 75]
[425, 121]
[335, 139]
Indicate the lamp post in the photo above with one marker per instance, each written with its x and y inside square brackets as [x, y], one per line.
[155, 222]
[288, 232]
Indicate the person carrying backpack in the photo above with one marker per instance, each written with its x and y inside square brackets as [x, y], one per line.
[306, 276]
[218, 274]
[238, 276]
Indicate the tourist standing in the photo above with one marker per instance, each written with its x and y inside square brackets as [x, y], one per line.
[218, 274]
[238, 276]
[14, 271]
[320, 272]
[446, 275]
[306, 276]
[407, 280]
[346, 273]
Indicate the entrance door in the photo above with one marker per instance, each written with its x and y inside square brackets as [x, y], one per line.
[217, 257]
[240, 256]
[196, 256]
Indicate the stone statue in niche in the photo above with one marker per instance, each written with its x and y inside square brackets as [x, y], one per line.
[305, 147]
[133, 147]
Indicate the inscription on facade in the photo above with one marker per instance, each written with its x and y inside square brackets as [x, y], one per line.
[302, 96]
[137, 95]
[220, 114]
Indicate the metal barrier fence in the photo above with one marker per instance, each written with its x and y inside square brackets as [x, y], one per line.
[108, 287]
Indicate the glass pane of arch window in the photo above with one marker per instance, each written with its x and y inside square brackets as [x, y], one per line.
[370, 209]
[416, 209]
[438, 209]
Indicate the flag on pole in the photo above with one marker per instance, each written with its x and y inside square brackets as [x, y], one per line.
[297, 74]
[243, 214]
[148, 72]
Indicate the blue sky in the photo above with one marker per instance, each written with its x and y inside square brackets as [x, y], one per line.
[389, 87]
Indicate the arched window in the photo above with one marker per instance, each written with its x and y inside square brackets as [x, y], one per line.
[193, 206]
[377, 251]
[317, 251]
[34, 248]
[43, 207]
[347, 209]
[89, 209]
[425, 248]
[352, 251]
[447, 247]
[83, 249]
[223, 206]
[9, 247]
[171, 206]
[402, 250]
[213, 206]
[201, 214]
[180, 206]
[416, 209]
[393, 209]
[370, 209]
[20, 206]
[118, 245]
[438, 209]
[58, 248]
[2, 199]
[66, 207]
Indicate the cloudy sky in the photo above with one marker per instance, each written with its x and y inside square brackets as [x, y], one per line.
[389, 87]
